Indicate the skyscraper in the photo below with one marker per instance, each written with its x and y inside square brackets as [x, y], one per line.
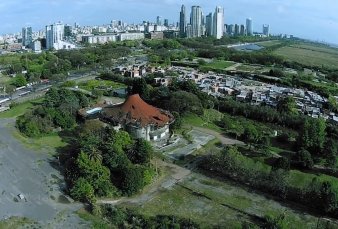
[159, 20]
[27, 36]
[266, 30]
[249, 27]
[209, 25]
[237, 30]
[218, 28]
[55, 37]
[196, 21]
[242, 32]
[183, 22]
[166, 22]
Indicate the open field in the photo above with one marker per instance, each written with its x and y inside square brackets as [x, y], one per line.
[91, 84]
[216, 65]
[204, 121]
[310, 55]
[20, 109]
[211, 203]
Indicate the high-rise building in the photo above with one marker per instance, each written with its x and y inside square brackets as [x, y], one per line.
[27, 36]
[218, 22]
[266, 30]
[208, 25]
[68, 31]
[55, 37]
[230, 29]
[159, 20]
[237, 30]
[196, 21]
[242, 31]
[183, 22]
[249, 27]
[166, 22]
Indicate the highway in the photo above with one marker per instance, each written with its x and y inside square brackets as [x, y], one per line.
[31, 92]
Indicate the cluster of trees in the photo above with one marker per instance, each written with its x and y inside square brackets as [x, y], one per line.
[106, 163]
[126, 218]
[55, 66]
[314, 143]
[58, 110]
[319, 195]
[262, 113]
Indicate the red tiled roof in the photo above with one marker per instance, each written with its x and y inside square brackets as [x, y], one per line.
[135, 110]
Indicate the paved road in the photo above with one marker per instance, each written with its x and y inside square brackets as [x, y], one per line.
[26, 172]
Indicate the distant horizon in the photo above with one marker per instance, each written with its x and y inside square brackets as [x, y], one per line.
[310, 19]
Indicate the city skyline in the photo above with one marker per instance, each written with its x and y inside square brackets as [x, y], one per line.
[306, 19]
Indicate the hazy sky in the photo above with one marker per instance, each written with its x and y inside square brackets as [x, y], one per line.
[313, 19]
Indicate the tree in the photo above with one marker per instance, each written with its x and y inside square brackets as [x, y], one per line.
[178, 121]
[251, 135]
[303, 157]
[330, 152]
[313, 134]
[333, 103]
[19, 81]
[281, 163]
[287, 105]
[183, 102]
[141, 153]
[328, 197]
[95, 155]
[140, 87]
[83, 191]
[132, 180]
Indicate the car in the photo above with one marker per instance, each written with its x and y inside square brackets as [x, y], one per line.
[21, 196]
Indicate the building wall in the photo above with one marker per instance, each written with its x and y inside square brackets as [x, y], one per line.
[218, 28]
[147, 133]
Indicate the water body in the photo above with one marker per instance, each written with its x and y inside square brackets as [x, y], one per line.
[248, 47]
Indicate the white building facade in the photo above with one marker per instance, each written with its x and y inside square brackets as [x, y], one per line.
[218, 23]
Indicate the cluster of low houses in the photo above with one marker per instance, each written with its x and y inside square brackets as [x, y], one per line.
[257, 93]
[142, 120]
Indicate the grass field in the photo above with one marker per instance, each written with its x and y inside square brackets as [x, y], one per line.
[216, 65]
[47, 143]
[213, 203]
[310, 55]
[20, 109]
[91, 84]
[17, 222]
[205, 121]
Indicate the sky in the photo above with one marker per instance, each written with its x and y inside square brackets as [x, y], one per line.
[310, 19]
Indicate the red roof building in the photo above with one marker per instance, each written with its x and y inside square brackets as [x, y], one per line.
[140, 119]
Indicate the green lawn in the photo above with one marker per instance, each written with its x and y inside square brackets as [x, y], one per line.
[20, 109]
[49, 143]
[310, 55]
[218, 65]
[302, 180]
[205, 121]
[91, 84]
